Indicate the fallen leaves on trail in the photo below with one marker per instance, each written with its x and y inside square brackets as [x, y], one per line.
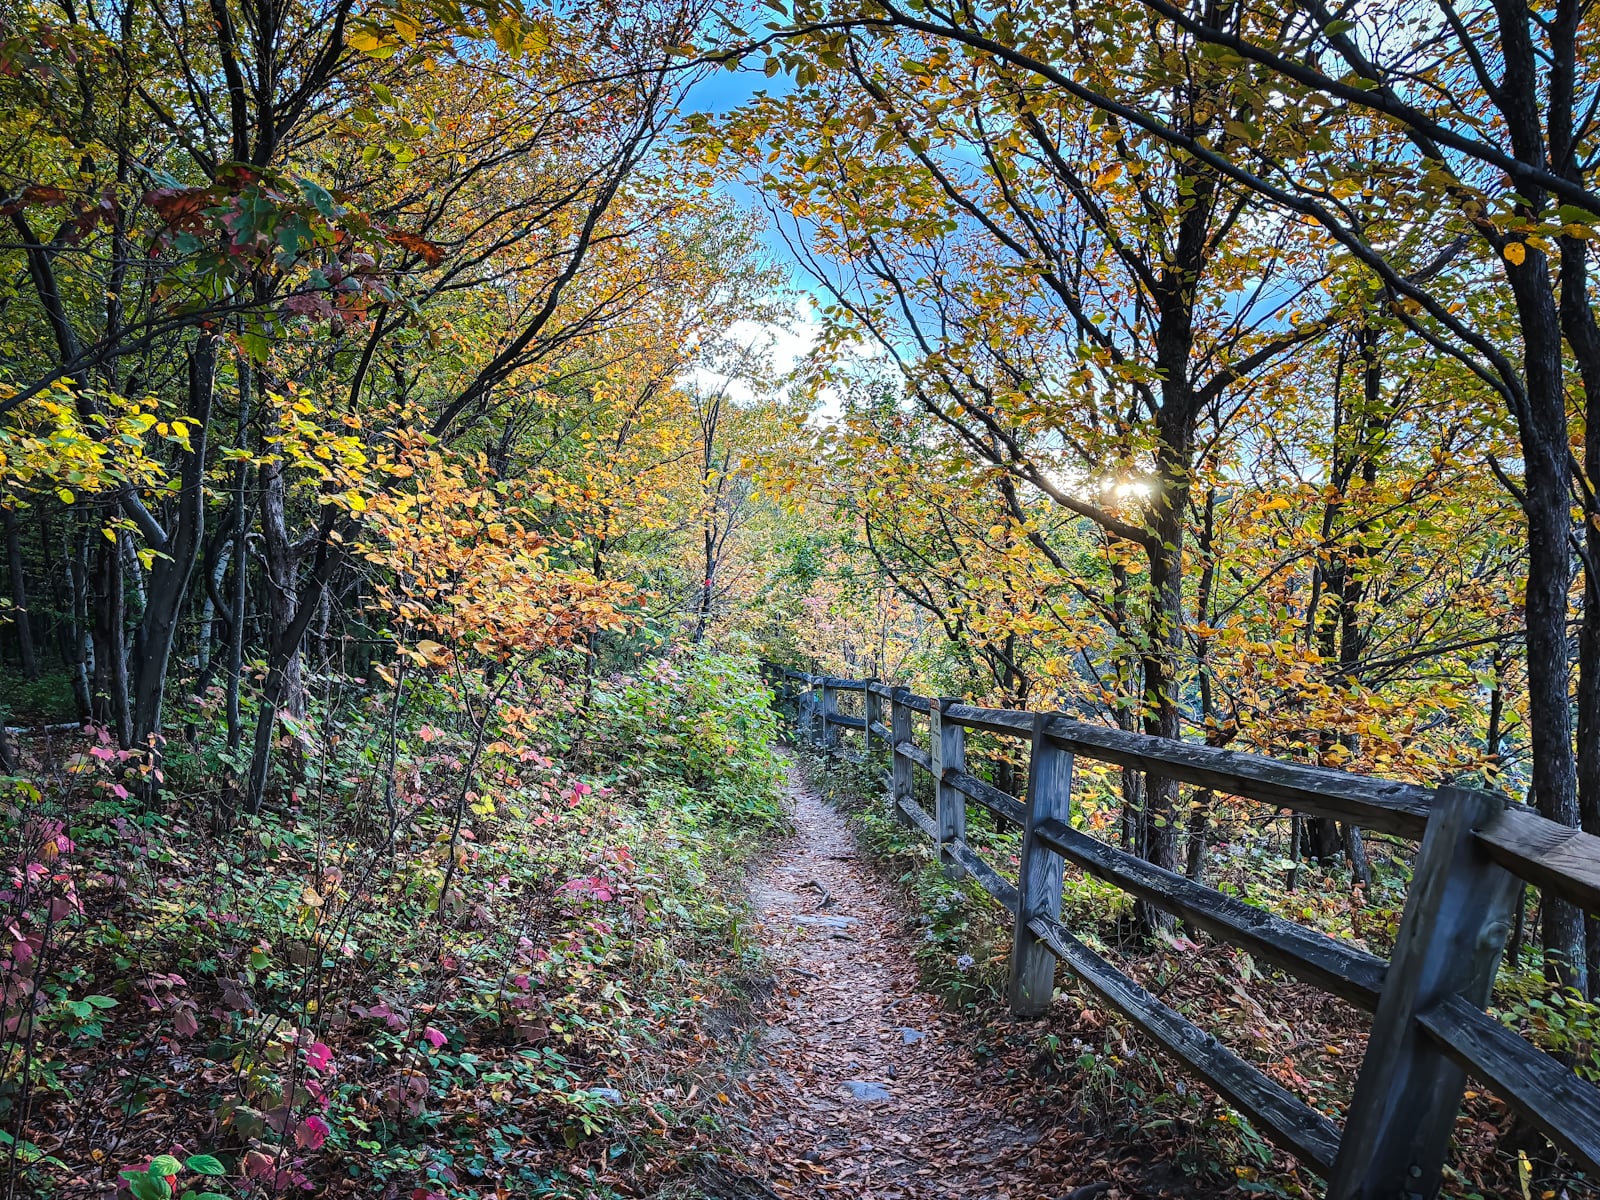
[869, 1089]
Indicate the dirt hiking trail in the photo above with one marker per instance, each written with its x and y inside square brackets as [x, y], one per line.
[865, 1088]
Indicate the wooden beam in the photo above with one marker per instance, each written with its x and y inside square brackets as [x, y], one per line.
[1332, 965]
[919, 817]
[1565, 1108]
[900, 778]
[1287, 1121]
[914, 753]
[1456, 921]
[991, 797]
[1398, 808]
[871, 717]
[996, 884]
[1535, 848]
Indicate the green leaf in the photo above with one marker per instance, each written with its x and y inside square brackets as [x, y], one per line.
[1571, 214]
[147, 1187]
[320, 197]
[205, 1164]
[165, 1164]
[101, 1001]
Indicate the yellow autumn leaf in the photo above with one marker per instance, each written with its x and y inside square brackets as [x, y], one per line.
[1515, 253]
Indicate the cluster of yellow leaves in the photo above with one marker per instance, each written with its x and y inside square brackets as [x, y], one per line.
[76, 444]
[332, 455]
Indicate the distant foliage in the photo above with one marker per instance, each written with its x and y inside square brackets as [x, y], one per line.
[702, 719]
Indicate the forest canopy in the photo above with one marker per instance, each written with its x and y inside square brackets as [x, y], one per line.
[402, 487]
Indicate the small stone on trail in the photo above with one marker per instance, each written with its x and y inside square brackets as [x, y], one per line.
[829, 922]
[911, 1037]
[866, 1092]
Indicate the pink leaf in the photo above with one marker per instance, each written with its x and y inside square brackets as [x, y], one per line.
[318, 1056]
[313, 1131]
[433, 1037]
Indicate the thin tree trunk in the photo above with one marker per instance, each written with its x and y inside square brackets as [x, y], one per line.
[167, 592]
[241, 560]
[208, 612]
[279, 555]
[1199, 826]
[283, 656]
[110, 696]
[83, 656]
[1583, 335]
[19, 595]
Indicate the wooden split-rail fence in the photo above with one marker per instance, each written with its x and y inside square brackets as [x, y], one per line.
[1429, 1027]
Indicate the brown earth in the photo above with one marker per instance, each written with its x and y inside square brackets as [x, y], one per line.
[865, 1088]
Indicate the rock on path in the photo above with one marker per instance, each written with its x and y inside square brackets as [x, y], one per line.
[865, 1090]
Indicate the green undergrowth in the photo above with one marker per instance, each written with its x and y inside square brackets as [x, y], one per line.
[458, 962]
[1088, 1061]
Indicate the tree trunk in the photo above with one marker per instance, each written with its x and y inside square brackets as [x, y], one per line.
[109, 705]
[83, 656]
[1542, 427]
[1583, 335]
[1199, 827]
[167, 591]
[279, 556]
[19, 596]
[284, 654]
[241, 560]
[203, 664]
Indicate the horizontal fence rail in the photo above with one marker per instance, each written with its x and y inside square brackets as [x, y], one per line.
[1429, 1028]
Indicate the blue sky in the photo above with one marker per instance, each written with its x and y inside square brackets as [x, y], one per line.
[719, 94]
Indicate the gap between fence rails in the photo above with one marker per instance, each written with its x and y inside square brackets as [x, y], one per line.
[1429, 1026]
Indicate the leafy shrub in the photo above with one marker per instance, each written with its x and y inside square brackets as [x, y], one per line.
[702, 719]
[1560, 1022]
[437, 960]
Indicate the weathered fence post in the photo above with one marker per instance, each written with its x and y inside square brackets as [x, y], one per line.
[1457, 917]
[899, 768]
[818, 724]
[872, 710]
[1040, 873]
[830, 709]
[800, 697]
[947, 747]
